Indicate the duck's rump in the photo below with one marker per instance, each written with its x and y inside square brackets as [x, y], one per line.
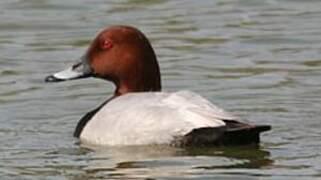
[233, 133]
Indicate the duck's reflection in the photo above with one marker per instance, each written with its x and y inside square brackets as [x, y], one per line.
[160, 161]
[245, 156]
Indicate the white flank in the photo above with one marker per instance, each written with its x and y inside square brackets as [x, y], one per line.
[151, 118]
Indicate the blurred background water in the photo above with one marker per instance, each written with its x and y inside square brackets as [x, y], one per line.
[259, 59]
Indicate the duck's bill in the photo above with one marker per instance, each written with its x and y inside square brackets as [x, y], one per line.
[77, 71]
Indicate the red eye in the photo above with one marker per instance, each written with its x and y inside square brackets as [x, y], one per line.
[107, 44]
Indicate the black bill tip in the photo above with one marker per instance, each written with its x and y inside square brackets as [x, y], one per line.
[52, 78]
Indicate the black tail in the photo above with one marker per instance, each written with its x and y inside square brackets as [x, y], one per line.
[234, 133]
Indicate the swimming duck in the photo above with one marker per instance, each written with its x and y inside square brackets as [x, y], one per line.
[139, 113]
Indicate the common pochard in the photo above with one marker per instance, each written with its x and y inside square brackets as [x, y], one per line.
[139, 113]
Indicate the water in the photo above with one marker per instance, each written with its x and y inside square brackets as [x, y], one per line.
[260, 60]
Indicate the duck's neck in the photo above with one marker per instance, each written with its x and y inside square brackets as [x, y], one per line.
[143, 75]
[144, 85]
